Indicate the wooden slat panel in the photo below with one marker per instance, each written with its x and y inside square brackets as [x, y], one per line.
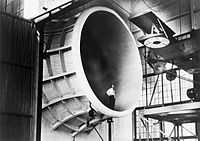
[63, 86]
[62, 40]
[69, 84]
[78, 113]
[56, 64]
[62, 60]
[49, 41]
[75, 83]
[69, 61]
[75, 122]
[60, 99]
[71, 126]
[84, 105]
[58, 111]
[14, 48]
[59, 76]
[15, 128]
[68, 39]
[58, 30]
[15, 89]
[56, 41]
[49, 68]
[44, 98]
[45, 69]
[54, 113]
[56, 88]
[18, 78]
[49, 117]
[50, 91]
[72, 106]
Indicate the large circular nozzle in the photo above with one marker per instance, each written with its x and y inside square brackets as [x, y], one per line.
[106, 54]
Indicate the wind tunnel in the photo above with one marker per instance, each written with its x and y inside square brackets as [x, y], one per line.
[84, 57]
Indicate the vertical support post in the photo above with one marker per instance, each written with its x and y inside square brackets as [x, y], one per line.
[175, 132]
[178, 136]
[161, 128]
[196, 77]
[147, 128]
[139, 124]
[145, 69]
[110, 120]
[39, 98]
[154, 89]
[171, 91]
[181, 130]
[134, 125]
[180, 85]
[197, 126]
[163, 99]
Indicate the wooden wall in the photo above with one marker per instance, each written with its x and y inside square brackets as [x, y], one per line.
[18, 77]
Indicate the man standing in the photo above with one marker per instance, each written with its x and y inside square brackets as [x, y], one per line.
[111, 93]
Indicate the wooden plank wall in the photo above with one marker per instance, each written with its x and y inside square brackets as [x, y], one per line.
[18, 87]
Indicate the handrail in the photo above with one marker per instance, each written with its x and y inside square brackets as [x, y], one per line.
[49, 12]
[59, 11]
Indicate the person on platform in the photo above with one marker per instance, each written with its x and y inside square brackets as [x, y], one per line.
[111, 93]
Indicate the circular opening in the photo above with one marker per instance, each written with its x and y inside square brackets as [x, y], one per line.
[156, 42]
[110, 57]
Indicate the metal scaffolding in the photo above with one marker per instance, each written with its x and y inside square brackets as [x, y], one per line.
[165, 109]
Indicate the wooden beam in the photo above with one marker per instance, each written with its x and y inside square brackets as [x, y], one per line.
[65, 97]
[77, 113]
[84, 126]
[172, 108]
[56, 50]
[70, 126]
[58, 76]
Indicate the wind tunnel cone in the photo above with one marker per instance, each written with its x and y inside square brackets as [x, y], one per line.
[106, 54]
[84, 56]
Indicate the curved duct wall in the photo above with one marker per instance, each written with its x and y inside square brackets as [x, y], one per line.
[84, 56]
[107, 54]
